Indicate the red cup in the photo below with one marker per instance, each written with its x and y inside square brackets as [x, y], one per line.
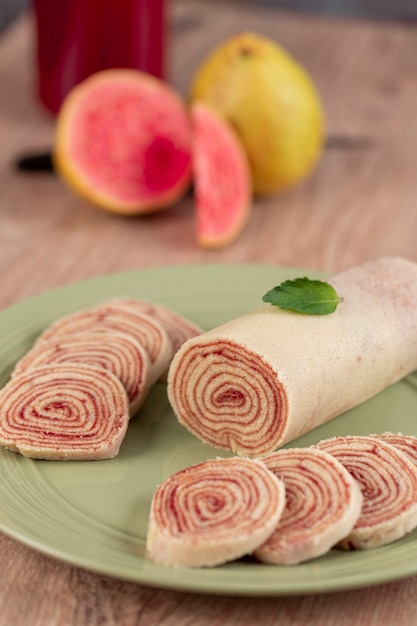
[76, 38]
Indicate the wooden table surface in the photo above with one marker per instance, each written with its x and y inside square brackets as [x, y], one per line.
[360, 203]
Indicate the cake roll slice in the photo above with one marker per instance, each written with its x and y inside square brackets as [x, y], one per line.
[388, 481]
[178, 327]
[406, 443]
[262, 380]
[116, 351]
[64, 412]
[322, 504]
[213, 512]
[110, 317]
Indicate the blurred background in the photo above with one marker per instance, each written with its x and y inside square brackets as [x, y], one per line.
[388, 9]
[366, 71]
[9, 9]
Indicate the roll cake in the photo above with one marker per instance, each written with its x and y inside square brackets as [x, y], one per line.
[64, 412]
[388, 481]
[213, 512]
[267, 377]
[322, 504]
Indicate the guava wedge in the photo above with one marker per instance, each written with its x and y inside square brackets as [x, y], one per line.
[123, 142]
[222, 179]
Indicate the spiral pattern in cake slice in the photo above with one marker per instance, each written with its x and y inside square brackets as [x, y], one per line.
[228, 396]
[322, 504]
[213, 512]
[406, 443]
[118, 352]
[178, 327]
[388, 481]
[64, 412]
[110, 317]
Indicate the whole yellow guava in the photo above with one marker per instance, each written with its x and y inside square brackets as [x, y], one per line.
[272, 103]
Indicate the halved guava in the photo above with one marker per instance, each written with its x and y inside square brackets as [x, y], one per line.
[222, 178]
[123, 141]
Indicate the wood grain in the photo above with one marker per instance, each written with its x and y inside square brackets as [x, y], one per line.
[360, 203]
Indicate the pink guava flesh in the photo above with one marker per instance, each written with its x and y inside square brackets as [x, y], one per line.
[164, 164]
[131, 140]
[222, 179]
[217, 196]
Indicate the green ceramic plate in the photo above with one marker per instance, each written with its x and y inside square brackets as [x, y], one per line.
[94, 514]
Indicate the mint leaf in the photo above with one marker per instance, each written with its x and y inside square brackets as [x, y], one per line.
[303, 295]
